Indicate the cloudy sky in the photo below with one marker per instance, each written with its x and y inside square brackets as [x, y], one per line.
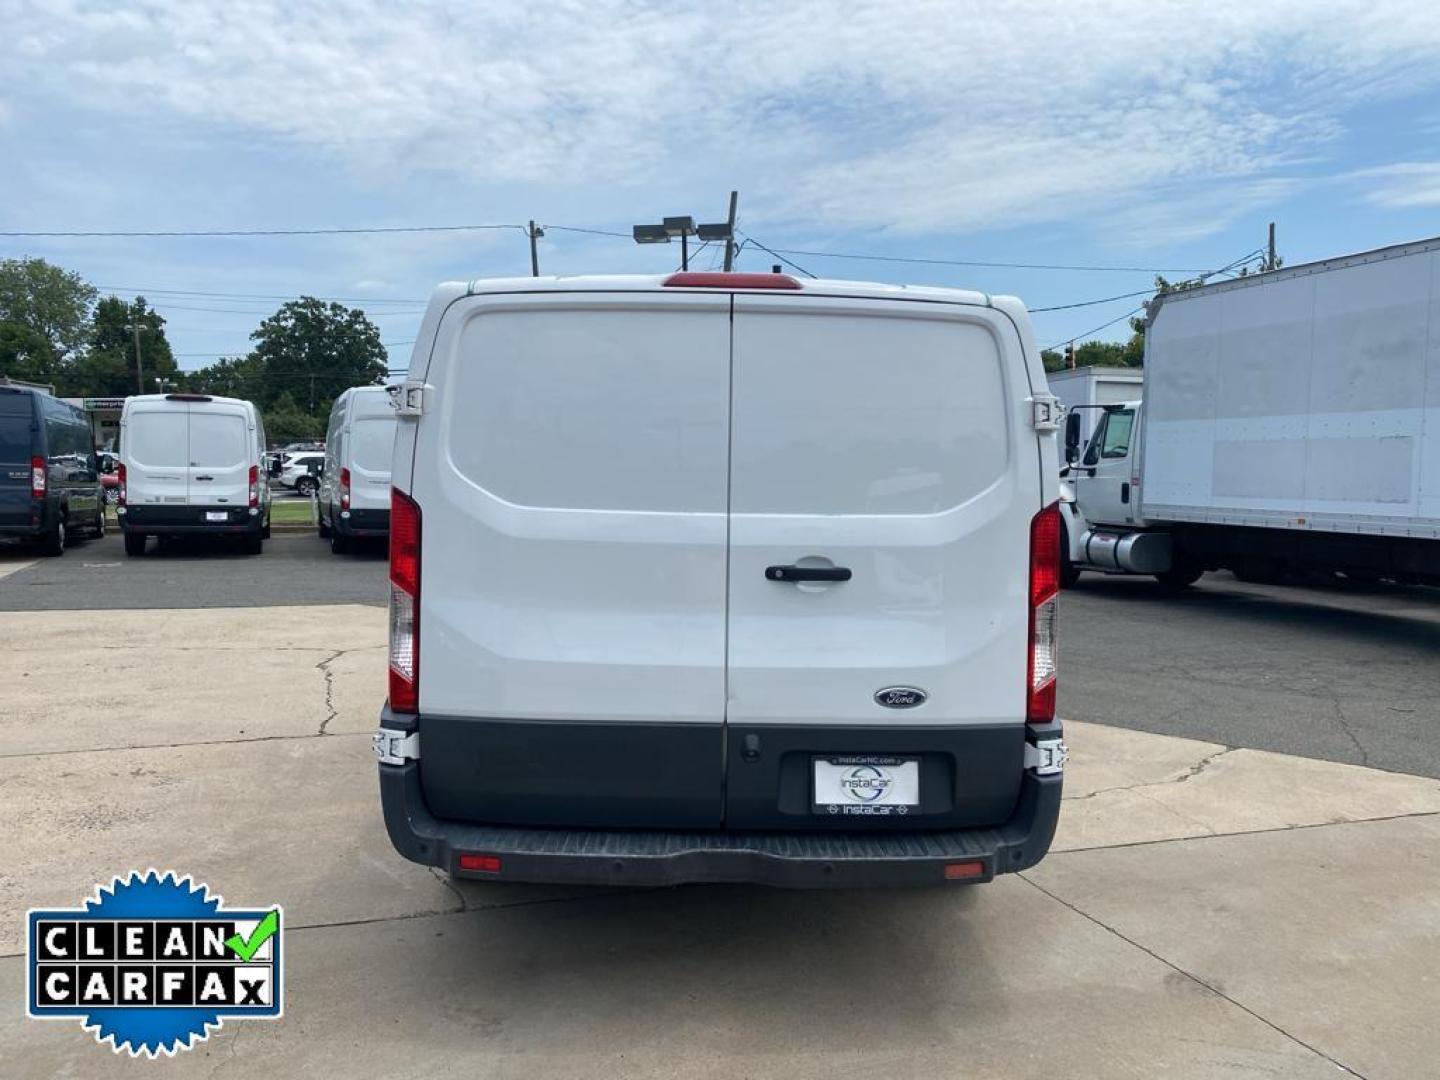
[1152, 136]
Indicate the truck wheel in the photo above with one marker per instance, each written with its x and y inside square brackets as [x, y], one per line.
[320, 525]
[1069, 572]
[305, 486]
[134, 543]
[265, 529]
[1180, 577]
[253, 544]
[99, 531]
[54, 541]
[339, 545]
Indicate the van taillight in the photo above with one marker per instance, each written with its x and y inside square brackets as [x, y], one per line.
[120, 487]
[344, 489]
[37, 477]
[254, 485]
[404, 603]
[1044, 598]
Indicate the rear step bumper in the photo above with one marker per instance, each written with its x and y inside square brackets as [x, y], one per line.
[178, 520]
[660, 857]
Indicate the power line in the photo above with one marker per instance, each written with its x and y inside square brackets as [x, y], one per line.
[1092, 303]
[254, 296]
[577, 229]
[132, 233]
[772, 251]
[1102, 326]
[968, 262]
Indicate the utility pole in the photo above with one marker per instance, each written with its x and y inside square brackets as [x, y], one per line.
[137, 329]
[730, 235]
[684, 251]
[534, 234]
[1270, 263]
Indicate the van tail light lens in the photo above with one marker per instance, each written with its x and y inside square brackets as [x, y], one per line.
[404, 603]
[1044, 600]
[254, 485]
[344, 489]
[37, 477]
[120, 487]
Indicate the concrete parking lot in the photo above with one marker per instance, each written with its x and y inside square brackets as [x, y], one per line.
[1243, 883]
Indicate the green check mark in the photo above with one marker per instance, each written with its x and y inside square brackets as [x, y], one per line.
[246, 948]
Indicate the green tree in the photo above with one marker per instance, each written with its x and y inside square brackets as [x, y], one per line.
[108, 368]
[237, 376]
[44, 314]
[315, 350]
[286, 422]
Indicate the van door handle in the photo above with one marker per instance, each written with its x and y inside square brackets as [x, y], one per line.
[808, 573]
[204, 478]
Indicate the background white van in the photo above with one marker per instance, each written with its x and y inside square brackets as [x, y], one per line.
[355, 483]
[192, 464]
[722, 577]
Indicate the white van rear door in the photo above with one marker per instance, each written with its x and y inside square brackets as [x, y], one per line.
[155, 448]
[884, 438]
[371, 445]
[570, 469]
[220, 455]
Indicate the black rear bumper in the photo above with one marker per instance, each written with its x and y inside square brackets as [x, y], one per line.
[362, 523]
[783, 857]
[189, 520]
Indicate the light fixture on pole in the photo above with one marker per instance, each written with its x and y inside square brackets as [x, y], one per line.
[684, 228]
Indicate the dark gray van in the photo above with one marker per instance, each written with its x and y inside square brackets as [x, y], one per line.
[49, 484]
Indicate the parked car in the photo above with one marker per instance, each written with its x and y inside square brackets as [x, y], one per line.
[109, 476]
[355, 485]
[190, 464]
[49, 480]
[723, 577]
[300, 472]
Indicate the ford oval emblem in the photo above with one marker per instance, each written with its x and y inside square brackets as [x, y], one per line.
[901, 697]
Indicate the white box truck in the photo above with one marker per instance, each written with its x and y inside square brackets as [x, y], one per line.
[1083, 390]
[722, 577]
[1290, 422]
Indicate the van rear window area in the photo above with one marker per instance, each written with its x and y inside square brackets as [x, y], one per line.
[372, 442]
[157, 438]
[14, 436]
[216, 439]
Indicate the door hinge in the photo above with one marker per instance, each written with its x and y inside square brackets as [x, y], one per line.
[1045, 412]
[396, 747]
[410, 398]
[1047, 757]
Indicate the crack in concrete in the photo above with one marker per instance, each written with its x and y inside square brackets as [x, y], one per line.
[1189, 774]
[1058, 853]
[1196, 979]
[183, 745]
[324, 668]
[444, 879]
[1349, 731]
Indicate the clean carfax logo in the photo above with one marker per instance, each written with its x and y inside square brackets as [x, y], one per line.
[152, 964]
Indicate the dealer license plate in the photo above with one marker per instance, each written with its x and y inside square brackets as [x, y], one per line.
[216, 515]
[866, 784]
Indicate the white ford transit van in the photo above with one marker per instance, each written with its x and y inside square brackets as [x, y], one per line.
[355, 484]
[722, 577]
[191, 463]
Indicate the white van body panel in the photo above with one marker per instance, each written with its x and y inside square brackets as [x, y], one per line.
[891, 438]
[360, 437]
[584, 561]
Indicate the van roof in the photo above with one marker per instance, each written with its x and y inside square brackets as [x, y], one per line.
[184, 399]
[650, 282]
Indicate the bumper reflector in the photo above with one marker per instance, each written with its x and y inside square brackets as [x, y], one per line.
[959, 871]
[485, 864]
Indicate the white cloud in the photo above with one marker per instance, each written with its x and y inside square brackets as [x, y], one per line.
[1404, 185]
[917, 117]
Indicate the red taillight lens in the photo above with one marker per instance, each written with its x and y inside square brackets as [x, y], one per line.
[37, 477]
[120, 488]
[699, 279]
[404, 603]
[254, 485]
[1044, 601]
[344, 489]
[485, 864]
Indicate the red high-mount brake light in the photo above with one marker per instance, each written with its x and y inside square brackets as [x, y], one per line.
[37, 477]
[404, 603]
[120, 487]
[254, 485]
[188, 397]
[344, 489]
[1044, 596]
[696, 279]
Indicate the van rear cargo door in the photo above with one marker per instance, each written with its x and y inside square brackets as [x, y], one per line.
[878, 442]
[219, 459]
[155, 447]
[570, 469]
[17, 446]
